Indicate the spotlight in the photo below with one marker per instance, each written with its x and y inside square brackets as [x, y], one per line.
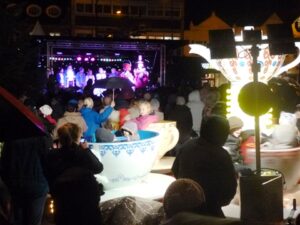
[78, 58]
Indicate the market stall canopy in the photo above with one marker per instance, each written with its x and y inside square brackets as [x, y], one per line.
[16, 120]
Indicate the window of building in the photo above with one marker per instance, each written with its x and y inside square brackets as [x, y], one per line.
[117, 9]
[134, 10]
[124, 10]
[79, 7]
[172, 12]
[142, 10]
[106, 9]
[89, 8]
[155, 12]
[99, 9]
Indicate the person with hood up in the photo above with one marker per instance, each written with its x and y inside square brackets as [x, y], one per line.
[196, 106]
[205, 161]
[93, 119]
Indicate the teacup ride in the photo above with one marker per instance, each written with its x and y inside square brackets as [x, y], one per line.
[126, 162]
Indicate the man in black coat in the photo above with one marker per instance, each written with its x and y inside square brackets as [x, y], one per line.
[204, 160]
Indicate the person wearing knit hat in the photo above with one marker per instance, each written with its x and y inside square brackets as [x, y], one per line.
[47, 119]
[46, 110]
[233, 142]
[235, 123]
[183, 195]
[130, 130]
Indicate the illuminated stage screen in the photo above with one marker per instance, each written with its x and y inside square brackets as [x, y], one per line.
[148, 57]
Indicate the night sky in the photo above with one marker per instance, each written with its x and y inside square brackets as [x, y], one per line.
[243, 12]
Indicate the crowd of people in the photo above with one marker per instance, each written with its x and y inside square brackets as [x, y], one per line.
[208, 153]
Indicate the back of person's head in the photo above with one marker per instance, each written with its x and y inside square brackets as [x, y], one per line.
[194, 96]
[107, 100]
[88, 102]
[183, 195]
[211, 97]
[215, 130]
[147, 96]
[68, 134]
[121, 104]
[180, 100]
[219, 109]
[72, 105]
[155, 104]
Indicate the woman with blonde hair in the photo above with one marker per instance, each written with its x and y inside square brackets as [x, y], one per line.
[70, 172]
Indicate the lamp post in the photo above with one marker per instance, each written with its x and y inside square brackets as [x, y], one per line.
[255, 70]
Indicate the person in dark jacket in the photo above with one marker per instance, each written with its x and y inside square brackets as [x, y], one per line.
[205, 161]
[73, 187]
[5, 204]
[22, 170]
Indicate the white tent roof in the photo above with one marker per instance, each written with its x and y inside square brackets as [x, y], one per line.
[37, 30]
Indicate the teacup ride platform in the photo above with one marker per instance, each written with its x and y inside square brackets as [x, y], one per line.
[127, 167]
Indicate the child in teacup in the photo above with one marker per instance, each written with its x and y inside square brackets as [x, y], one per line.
[145, 118]
[128, 132]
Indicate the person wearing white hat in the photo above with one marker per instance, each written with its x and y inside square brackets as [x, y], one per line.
[45, 113]
[233, 142]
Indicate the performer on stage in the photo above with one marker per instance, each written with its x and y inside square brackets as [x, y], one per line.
[70, 75]
[141, 74]
[127, 72]
[113, 72]
[61, 79]
[101, 74]
[80, 78]
[90, 75]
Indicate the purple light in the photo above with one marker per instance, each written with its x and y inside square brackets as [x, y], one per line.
[92, 59]
[78, 58]
[88, 53]
[86, 59]
[59, 53]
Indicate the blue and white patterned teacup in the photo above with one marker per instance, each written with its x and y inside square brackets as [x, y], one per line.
[126, 163]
